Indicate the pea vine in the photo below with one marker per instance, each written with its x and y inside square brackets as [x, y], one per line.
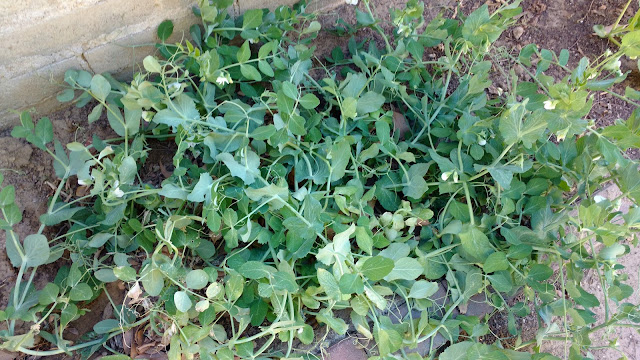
[309, 190]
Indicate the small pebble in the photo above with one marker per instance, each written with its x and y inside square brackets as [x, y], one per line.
[517, 32]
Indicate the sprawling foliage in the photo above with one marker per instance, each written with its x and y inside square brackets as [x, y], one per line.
[333, 188]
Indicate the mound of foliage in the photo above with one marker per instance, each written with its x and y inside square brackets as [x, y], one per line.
[307, 191]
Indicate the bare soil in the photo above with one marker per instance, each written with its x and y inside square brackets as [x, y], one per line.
[551, 24]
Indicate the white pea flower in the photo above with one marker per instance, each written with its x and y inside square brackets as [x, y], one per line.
[224, 78]
[482, 142]
[599, 199]
[445, 175]
[221, 80]
[300, 331]
[351, 2]
[550, 104]
[174, 86]
[252, 41]
[81, 182]
[118, 193]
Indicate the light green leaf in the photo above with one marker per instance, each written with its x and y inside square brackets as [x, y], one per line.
[284, 281]
[127, 170]
[513, 129]
[456, 351]
[252, 19]
[369, 102]
[197, 279]
[173, 192]
[180, 111]
[244, 53]
[246, 169]
[336, 324]
[106, 326]
[100, 87]
[364, 241]
[256, 270]
[422, 289]
[351, 283]
[416, 186]
[339, 155]
[377, 267]
[539, 272]
[495, 262]
[36, 250]
[81, 292]
[152, 281]
[329, 284]
[405, 268]
[182, 301]
[151, 64]
[48, 294]
[309, 101]
[250, 72]
[202, 191]
[475, 244]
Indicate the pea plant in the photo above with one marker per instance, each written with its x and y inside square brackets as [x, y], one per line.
[313, 194]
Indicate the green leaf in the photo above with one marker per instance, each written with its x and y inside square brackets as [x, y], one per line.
[14, 248]
[423, 289]
[502, 176]
[125, 273]
[152, 281]
[151, 64]
[180, 111]
[244, 53]
[513, 129]
[197, 279]
[329, 284]
[99, 239]
[256, 270]
[100, 87]
[284, 281]
[81, 292]
[106, 326]
[377, 267]
[43, 133]
[202, 191]
[66, 95]
[340, 155]
[364, 18]
[456, 351]
[58, 215]
[309, 101]
[630, 44]
[266, 69]
[252, 19]
[351, 283]
[405, 268]
[369, 102]
[364, 240]
[290, 90]
[246, 169]
[263, 132]
[250, 72]
[314, 26]
[173, 192]
[475, 244]
[182, 301]
[165, 30]
[416, 186]
[495, 262]
[7, 196]
[36, 250]
[539, 272]
[48, 294]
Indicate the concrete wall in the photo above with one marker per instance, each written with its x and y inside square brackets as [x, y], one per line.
[41, 39]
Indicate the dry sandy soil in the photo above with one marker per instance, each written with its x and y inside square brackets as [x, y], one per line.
[551, 24]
